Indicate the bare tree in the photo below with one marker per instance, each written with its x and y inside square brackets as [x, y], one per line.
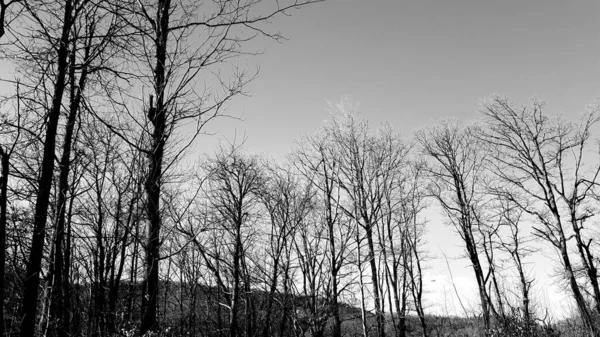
[6, 151]
[49, 50]
[542, 159]
[515, 243]
[232, 190]
[368, 166]
[91, 43]
[311, 309]
[317, 161]
[288, 202]
[397, 220]
[176, 43]
[40, 14]
[413, 206]
[457, 172]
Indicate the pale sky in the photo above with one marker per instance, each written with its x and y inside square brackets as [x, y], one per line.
[412, 63]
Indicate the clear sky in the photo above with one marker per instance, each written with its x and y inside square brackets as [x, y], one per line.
[412, 63]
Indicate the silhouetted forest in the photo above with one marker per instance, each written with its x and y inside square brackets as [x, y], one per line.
[112, 225]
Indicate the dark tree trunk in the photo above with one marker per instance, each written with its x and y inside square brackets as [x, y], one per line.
[374, 279]
[286, 305]
[100, 282]
[587, 258]
[68, 327]
[272, 289]
[249, 308]
[115, 282]
[417, 283]
[404, 296]
[335, 308]
[586, 315]
[57, 301]
[3, 8]
[584, 311]
[32, 278]
[133, 275]
[157, 116]
[474, 258]
[3, 203]
[523, 280]
[233, 324]
[219, 311]
[331, 218]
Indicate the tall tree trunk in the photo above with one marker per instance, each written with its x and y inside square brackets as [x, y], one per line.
[587, 258]
[390, 294]
[249, 306]
[68, 327]
[363, 309]
[219, 311]
[471, 245]
[157, 116]
[116, 279]
[3, 203]
[488, 249]
[474, 258]
[375, 282]
[584, 311]
[524, 284]
[167, 287]
[272, 289]
[32, 278]
[417, 281]
[404, 291]
[391, 276]
[286, 302]
[331, 219]
[233, 324]
[586, 315]
[57, 301]
[335, 307]
[100, 284]
[133, 274]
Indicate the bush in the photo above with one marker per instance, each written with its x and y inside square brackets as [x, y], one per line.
[514, 325]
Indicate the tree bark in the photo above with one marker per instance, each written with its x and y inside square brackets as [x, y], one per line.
[157, 116]
[375, 282]
[32, 278]
[272, 289]
[331, 218]
[3, 204]
[474, 258]
[68, 326]
[57, 303]
[233, 325]
[586, 315]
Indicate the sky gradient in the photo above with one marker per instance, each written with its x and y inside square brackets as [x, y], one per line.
[413, 62]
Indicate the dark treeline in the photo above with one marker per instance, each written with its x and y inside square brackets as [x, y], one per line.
[106, 232]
